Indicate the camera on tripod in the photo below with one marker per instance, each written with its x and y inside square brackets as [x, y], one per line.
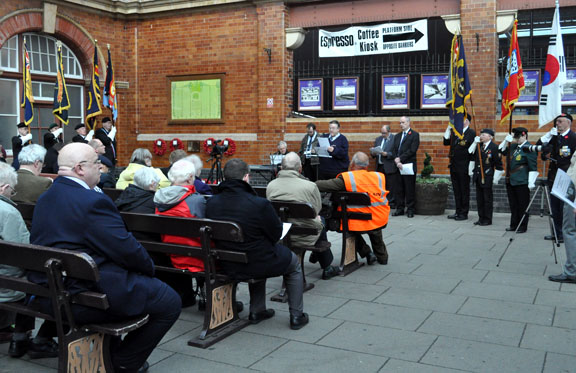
[219, 147]
[532, 148]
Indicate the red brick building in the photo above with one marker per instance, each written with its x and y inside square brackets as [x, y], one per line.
[245, 44]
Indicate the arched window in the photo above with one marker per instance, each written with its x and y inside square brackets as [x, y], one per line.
[43, 61]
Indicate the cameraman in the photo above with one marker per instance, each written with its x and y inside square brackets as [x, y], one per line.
[520, 178]
[561, 143]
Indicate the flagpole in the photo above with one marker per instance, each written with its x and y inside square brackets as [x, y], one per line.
[478, 150]
[508, 154]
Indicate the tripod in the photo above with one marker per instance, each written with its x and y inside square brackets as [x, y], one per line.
[543, 188]
[216, 165]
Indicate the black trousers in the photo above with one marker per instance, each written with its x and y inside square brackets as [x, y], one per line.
[518, 199]
[557, 213]
[391, 184]
[485, 201]
[405, 192]
[377, 242]
[310, 171]
[461, 188]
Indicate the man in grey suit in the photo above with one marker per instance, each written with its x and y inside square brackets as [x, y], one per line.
[383, 152]
[30, 185]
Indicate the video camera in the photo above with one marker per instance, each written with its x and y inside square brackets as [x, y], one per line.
[219, 147]
[533, 148]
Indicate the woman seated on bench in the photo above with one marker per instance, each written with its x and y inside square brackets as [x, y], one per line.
[141, 157]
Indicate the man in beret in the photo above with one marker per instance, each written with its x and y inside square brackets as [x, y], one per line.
[107, 134]
[487, 170]
[459, 164]
[81, 135]
[521, 174]
[23, 139]
[52, 137]
[560, 145]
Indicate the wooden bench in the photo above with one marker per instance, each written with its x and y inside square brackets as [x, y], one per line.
[113, 193]
[260, 190]
[295, 210]
[339, 222]
[82, 348]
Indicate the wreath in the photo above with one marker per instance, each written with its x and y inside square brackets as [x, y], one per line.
[175, 144]
[159, 147]
[231, 147]
[208, 149]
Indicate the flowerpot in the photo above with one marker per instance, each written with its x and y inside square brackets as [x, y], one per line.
[431, 198]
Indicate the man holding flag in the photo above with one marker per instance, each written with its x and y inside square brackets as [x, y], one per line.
[458, 135]
[94, 109]
[110, 100]
[61, 102]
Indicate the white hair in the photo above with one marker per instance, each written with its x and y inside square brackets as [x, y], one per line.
[197, 163]
[145, 176]
[291, 162]
[8, 175]
[181, 171]
[31, 153]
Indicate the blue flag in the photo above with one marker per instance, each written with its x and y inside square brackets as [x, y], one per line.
[110, 100]
[93, 107]
[61, 102]
[27, 95]
[460, 90]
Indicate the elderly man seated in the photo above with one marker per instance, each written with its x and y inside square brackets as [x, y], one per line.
[126, 269]
[141, 157]
[139, 197]
[359, 179]
[30, 185]
[290, 185]
[262, 229]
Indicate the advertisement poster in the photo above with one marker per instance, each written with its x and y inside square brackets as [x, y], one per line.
[395, 91]
[433, 92]
[531, 93]
[310, 93]
[345, 93]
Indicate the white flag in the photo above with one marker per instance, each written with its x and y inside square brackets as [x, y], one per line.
[554, 76]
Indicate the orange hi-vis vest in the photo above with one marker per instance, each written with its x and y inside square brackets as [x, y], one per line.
[372, 183]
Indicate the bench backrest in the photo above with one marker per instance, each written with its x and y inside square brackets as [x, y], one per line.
[295, 210]
[340, 203]
[113, 193]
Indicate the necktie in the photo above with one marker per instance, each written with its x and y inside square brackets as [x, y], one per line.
[401, 140]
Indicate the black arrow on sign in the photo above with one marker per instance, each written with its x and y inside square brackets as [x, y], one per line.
[416, 35]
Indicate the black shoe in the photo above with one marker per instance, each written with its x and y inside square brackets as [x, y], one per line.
[510, 229]
[398, 213]
[551, 238]
[453, 216]
[461, 217]
[239, 306]
[330, 272]
[383, 261]
[255, 318]
[371, 259]
[43, 349]
[484, 223]
[410, 214]
[563, 278]
[298, 322]
[521, 230]
[18, 348]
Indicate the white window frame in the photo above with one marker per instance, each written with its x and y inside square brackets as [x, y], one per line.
[52, 58]
[17, 51]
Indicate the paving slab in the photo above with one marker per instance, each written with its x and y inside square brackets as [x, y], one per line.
[496, 292]
[394, 366]
[557, 298]
[511, 311]
[450, 271]
[521, 280]
[557, 363]
[565, 318]
[552, 339]
[349, 290]
[483, 357]
[186, 364]
[422, 299]
[409, 281]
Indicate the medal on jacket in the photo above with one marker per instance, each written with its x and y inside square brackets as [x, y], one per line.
[462, 143]
[519, 157]
[564, 151]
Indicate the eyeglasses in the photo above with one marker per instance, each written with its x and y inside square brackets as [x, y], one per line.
[13, 193]
[94, 162]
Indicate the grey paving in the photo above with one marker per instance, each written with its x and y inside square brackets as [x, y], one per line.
[440, 305]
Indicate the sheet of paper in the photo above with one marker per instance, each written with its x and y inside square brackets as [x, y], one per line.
[285, 228]
[323, 142]
[407, 169]
[563, 188]
[376, 150]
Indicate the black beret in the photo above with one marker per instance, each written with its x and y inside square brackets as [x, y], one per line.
[519, 131]
[489, 131]
[468, 116]
[53, 125]
[106, 119]
[563, 116]
[21, 125]
[79, 125]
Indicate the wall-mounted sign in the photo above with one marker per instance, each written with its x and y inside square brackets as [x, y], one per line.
[395, 91]
[345, 93]
[310, 94]
[378, 39]
[433, 92]
[531, 92]
[569, 97]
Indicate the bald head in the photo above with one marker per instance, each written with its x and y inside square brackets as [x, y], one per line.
[359, 161]
[292, 162]
[80, 161]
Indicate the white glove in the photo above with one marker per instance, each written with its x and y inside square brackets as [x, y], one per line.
[532, 176]
[472, 147]
[471, 168]
[504, 143]
[26, 138]
[447, 132]
[89, 136]
[497, 176]
[548, 136]
[58, 132]
[112, 133]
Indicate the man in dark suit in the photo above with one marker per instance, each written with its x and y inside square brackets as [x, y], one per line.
[406, 145]
[487, 171]
[23, 139]
[52, 137]
[307, 153]
[81, 135]
[560, 144]
[72, 215]
[338, 151]
[459, 163]
[383, 152]
[30, 185]
[107, 134]
[262, 229]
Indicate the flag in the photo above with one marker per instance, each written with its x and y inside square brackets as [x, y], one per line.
[514, 79]
[61, 102]
[94, 109]
[554, 76]
[27, 95]
[110, 89]
[460, 89]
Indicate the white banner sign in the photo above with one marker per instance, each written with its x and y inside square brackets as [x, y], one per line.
[379, 39]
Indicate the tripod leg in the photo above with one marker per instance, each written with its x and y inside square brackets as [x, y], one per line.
[527, 209]
[211, 174]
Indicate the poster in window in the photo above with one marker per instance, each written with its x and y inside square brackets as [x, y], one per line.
[569, 89]
[395, 91]
[531, 92]
[345, 93]
[310, 94]
[196, 98]
[434, 90]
